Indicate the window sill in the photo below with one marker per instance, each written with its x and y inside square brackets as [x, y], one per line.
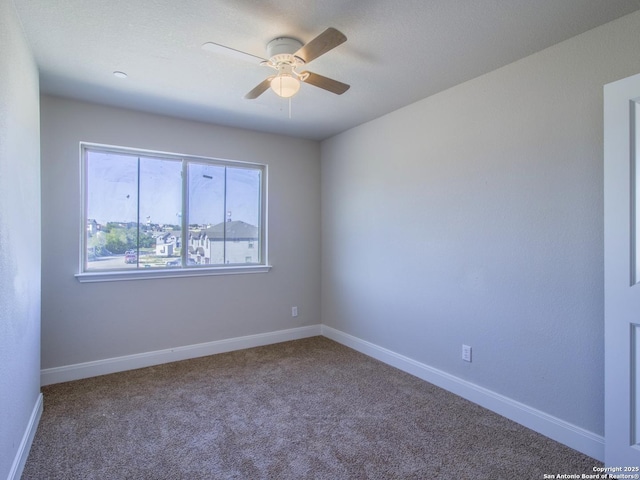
[144, 274]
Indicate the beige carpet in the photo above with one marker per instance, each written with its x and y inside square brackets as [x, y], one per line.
[308, 409]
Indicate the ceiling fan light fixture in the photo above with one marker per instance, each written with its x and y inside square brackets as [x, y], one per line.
[285, 85]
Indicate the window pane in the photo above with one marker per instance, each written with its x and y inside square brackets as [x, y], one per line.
[112, 209]
[206, 210]
[243, 216]
[224, 215]
[160, 212]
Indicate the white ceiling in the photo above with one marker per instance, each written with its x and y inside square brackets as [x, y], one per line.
[397, 52]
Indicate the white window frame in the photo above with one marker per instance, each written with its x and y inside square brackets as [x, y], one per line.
[85, 275]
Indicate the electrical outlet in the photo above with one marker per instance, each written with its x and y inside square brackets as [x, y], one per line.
[466, 353]
[294, 311]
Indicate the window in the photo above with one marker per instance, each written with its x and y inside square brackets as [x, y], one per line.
[147, 212]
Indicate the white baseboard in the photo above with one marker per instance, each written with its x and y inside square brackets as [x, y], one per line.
[68, 373]
[27, 439]
[564, 432]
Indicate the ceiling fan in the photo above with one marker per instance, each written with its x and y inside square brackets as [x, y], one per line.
[288, 57]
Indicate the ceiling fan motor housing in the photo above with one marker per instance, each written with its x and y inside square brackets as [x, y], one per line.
[281, 49]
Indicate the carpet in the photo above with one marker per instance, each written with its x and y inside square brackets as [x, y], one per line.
[305, 409]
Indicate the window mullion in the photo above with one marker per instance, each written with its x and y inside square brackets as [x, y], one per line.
[184, 249]
[138, 221]
[224, 219]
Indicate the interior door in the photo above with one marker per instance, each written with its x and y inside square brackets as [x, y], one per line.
[622, 273]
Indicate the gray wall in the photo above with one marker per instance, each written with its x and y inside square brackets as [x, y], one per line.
[82, 322]
[19, 236]
[476, 216]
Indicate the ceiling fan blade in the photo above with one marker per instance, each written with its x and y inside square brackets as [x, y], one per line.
[230, 52]
[326, 83]
[320, 45]
[259, 89]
